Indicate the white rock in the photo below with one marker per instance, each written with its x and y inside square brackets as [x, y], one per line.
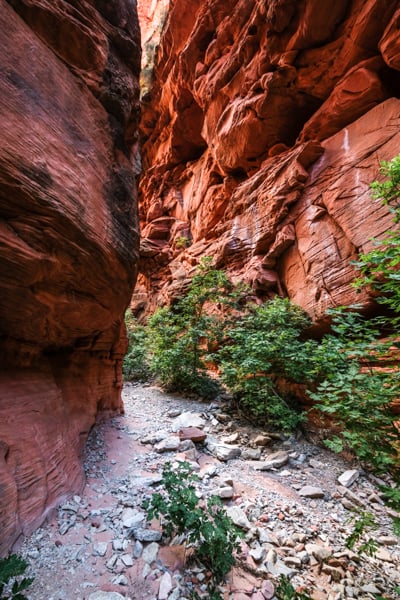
[165, 586]
[132, 518]
[188, 419]
[370, 588]
[348, 477]
[127, 560]
[149, 553]
[238, 517]
[223, 452]
[258, 554]
[225, 492]
[99, 549]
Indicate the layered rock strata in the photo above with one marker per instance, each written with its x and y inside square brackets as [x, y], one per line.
[68, 239]
[263, 129]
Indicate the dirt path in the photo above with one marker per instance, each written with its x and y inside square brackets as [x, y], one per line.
[294, 513]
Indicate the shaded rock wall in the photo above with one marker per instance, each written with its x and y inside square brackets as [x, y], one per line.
[68, 239]
[265, 125]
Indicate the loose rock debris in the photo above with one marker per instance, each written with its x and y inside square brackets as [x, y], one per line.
[292, 499]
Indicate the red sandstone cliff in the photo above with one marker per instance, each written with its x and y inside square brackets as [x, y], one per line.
[263, 128]
[68, 238]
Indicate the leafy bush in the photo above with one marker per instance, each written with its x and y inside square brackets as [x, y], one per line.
[260, 347]
[207, 529]
[11, 569]
[136, 365]
[380, 268]
[181, 336]
[358, 393]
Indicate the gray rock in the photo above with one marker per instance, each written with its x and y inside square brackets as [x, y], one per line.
[258, 554]
[251, 453]
[137, 549]
[146, 535]
[99, 549]
[348, 477]
[173, 413]
[169, 444]
[238, 517]
[273, 461]
[149, 553]
[310, 491]
[279, 568]
[188, 419]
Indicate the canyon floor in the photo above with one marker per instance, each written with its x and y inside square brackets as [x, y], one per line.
[282, 490]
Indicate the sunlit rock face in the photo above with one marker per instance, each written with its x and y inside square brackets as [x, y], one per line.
[262, 130]
[69, 100]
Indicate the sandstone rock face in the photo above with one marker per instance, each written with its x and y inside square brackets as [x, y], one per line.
[264, 126]
[68, 239]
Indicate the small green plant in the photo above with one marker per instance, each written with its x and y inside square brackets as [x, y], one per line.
[182, 242]
[208, 530]
[11, 584]
[286, 591]
[363, 521]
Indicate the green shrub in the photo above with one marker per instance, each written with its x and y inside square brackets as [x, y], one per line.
[260, 347]
[136, 365]
[181, 336]
[11, 585]
[380, 268]
[358, 393]
[208, 530]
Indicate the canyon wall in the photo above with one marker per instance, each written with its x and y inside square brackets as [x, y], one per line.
[69, 105]
[262, 130]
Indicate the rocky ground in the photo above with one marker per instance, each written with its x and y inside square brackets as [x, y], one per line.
[284, 493]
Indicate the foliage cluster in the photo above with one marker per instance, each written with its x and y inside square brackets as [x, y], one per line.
[11, 584]
[255, 346]
[264, 345]
[208, 530]
[136, 364]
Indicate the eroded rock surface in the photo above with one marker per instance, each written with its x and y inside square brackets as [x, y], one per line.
[68, 239]
[264, 126]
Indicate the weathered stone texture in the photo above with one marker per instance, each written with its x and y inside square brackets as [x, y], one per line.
[68, 238]
[264, 126]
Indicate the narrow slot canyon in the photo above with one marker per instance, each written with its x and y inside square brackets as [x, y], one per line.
[140, 138]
